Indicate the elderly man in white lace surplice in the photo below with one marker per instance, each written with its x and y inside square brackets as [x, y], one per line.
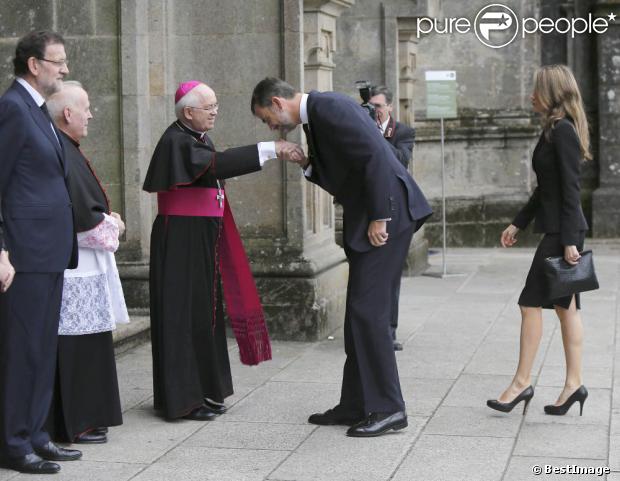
[86, 398]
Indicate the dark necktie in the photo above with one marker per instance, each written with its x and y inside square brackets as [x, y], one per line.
[45, 111]
[49, 118]
[311, 151]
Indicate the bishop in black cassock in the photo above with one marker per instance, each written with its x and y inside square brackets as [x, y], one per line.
[194, 243]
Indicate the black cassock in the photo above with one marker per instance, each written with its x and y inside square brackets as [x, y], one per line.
[190, 356]
[86, 392]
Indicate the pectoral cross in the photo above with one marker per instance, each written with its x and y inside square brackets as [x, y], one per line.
[220, 196]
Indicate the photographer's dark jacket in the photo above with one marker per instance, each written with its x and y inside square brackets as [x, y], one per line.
[352, 161]
[401, 138]
[555, 204]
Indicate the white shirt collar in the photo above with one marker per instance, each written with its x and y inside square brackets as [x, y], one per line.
[36, 96]
[195, 131]
[303, 109]
[384, 125]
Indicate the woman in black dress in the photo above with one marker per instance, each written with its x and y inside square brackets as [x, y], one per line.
[555, 206]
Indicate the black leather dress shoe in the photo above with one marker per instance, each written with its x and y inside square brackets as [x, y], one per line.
[398, 346]
[203, 413]
[333, 417]
[217, 408]
[377, 424]
[101, 430]
[31, 464]
[52, 452]
[91, 437]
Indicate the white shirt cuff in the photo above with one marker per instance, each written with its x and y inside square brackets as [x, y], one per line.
[308, 171]
[266, 151]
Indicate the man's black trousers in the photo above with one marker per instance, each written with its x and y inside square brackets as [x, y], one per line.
[370, 379]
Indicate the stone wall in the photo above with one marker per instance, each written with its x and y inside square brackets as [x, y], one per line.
[131, 55]
[231, 51]
[90, 28]
[488, 147]
[606, 199]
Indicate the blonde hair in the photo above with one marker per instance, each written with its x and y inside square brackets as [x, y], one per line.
[558, 94]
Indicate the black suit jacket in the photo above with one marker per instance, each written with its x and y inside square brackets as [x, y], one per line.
[402, 139]
[351, 160]
[555, 204]
[37, 217]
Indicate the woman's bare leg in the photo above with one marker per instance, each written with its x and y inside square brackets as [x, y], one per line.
[572, 338]
[531, 333]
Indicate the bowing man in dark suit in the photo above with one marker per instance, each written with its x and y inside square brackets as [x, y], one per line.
[555, 205]
[37, 230]
[401, 139]
[382, 207]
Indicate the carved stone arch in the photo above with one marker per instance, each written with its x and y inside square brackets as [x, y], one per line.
[400, 52]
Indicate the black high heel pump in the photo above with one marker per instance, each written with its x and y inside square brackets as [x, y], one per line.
[526, 395]
[579, 395]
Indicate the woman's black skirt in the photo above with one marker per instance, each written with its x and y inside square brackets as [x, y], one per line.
[86, 392]
[533, 294]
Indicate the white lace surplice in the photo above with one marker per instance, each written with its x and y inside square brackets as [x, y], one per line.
[92, 296]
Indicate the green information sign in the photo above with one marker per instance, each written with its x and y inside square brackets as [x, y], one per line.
[441, 94]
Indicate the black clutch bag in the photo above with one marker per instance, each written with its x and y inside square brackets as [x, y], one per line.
[563, 280]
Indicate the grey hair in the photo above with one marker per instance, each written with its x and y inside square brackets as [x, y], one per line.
[190, 99]
[57, 102]
[382, 90]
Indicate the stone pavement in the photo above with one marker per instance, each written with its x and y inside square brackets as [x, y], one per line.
[461, 345]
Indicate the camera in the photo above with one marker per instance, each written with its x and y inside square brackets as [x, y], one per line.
[364, 87]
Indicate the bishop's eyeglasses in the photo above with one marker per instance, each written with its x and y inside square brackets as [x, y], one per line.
[208, 108]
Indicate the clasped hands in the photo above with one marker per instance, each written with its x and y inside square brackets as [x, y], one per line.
[119, 222]
[291, 152]
[7, 272]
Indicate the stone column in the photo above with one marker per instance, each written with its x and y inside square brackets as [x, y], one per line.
[401, 48]
[319, 48]
[320, 41]
[407, 54]
[302, 273]
[138, 84]
[606, 199]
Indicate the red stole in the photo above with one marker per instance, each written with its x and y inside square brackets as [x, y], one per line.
[242, 302]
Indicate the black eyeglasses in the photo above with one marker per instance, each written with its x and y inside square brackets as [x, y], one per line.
[208, 108]
[58, 63]
[379, 106]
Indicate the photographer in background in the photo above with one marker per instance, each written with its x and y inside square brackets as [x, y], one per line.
[401, 137]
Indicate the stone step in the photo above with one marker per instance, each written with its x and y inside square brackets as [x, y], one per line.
[138, 331]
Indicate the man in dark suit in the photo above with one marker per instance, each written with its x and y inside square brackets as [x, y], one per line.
[382, 207]
[37, 229]
[401, 139]
[400, 136]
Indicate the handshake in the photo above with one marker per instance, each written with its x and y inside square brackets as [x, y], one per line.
[292, 152]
